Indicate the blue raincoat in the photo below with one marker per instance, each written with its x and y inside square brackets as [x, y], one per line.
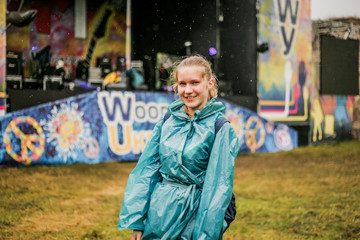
[182, 183]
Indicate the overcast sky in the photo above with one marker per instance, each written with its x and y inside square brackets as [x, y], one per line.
[324, 9]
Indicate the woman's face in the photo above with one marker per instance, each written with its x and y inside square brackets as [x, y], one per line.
[193, 89]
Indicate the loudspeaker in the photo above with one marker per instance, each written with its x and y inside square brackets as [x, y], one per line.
[105, 60]
[106, 66]
[14, 63]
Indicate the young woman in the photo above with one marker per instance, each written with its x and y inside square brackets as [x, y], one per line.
[182, 183]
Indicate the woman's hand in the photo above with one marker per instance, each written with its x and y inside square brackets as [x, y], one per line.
[136, 235]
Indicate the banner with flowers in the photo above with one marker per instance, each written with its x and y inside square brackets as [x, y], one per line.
[114, 125]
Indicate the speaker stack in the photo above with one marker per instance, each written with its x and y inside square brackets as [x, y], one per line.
[14, 69]
[13, 63]
[106, 66]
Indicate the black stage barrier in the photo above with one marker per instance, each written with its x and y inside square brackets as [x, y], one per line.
[24, 98]
[246, 101]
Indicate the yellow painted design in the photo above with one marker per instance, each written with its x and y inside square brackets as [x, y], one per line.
[298, 118]
[329, 124]
[318, 116]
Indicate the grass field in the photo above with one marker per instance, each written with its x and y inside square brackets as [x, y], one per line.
[307, 193]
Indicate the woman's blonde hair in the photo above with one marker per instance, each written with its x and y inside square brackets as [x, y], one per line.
[199, 61]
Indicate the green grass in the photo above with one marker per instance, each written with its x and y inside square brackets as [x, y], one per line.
[307, 193]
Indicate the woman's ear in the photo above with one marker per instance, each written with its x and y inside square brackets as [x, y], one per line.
[211, 83]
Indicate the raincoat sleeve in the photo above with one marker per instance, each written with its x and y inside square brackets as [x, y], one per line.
[218, 185]
[140, 185]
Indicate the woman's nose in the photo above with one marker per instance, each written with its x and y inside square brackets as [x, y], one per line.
[188, 89]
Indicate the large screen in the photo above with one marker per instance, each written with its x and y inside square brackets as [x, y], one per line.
[339, 66]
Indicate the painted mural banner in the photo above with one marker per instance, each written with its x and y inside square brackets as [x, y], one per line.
[114, 126]
[332, 118]
[285, 73]
[289, 73]
[2, 57]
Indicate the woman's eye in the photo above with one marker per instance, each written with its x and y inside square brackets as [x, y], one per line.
[181, 84]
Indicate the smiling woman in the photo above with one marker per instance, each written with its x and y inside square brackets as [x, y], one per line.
[193, 87]
[196, 68]
[182, 184]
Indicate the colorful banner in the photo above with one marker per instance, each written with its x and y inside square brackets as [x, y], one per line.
[285, 69]
[289, 74]
[2, 56]
[113, 125]
[61, 26]
[332, 118]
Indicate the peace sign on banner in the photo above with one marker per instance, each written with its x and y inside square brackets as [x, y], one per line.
[28, 145]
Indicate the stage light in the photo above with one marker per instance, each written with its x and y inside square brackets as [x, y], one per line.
[187, 44]
[212, 51]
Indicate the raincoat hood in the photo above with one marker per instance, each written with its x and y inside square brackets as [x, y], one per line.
[177, 110]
